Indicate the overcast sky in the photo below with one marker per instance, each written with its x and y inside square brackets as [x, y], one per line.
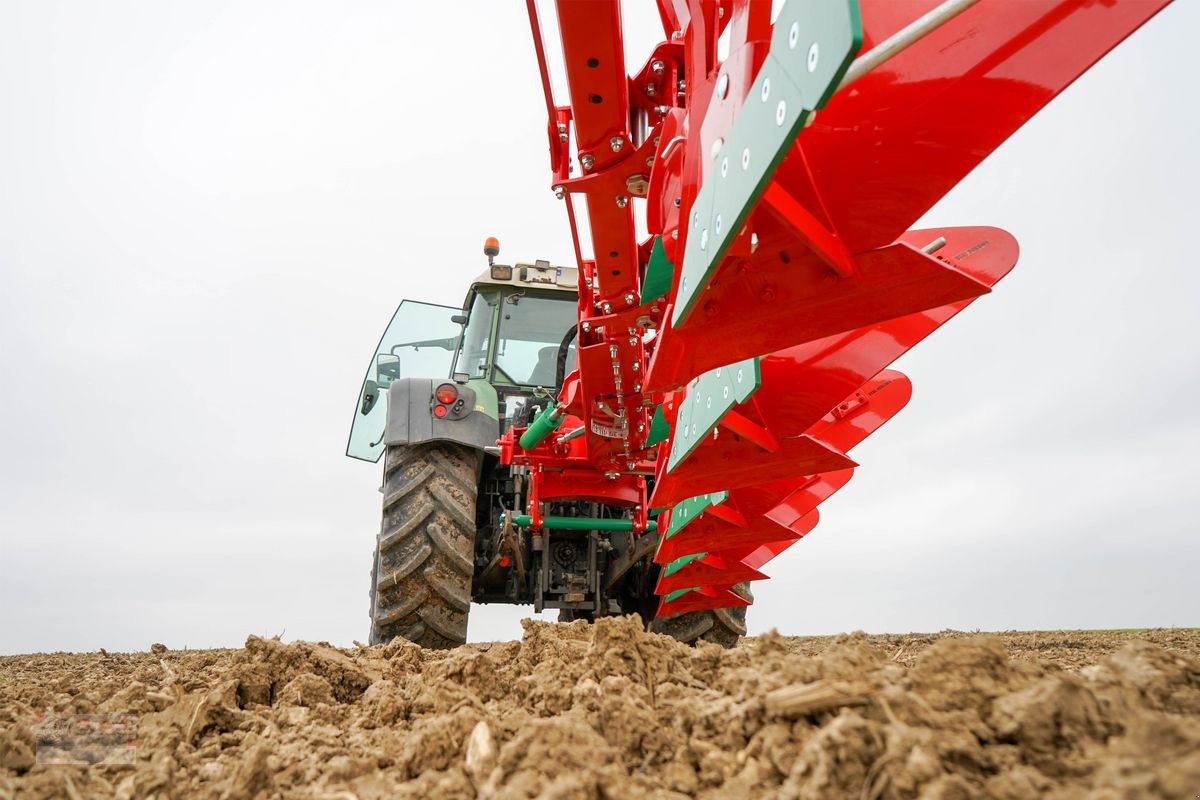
[209, 210]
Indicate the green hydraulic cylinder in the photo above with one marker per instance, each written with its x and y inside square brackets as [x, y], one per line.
[546, 423]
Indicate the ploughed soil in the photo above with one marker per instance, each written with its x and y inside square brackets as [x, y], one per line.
[609, 711]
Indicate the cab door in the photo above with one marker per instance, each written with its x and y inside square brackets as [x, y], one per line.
[419, 342]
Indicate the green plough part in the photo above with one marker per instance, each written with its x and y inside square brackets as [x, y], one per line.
[691, 509]
[659, 272]
[579, 523]
[660, 429]
[680, 563]
[675, 595]
[713, 395]
[813, 44]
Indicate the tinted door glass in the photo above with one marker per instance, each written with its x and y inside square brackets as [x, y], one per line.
[419, 342]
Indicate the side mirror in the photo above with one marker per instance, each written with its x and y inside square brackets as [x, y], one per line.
[459, 319]
[387, 369]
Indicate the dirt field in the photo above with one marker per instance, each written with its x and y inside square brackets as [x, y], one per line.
[608, 711]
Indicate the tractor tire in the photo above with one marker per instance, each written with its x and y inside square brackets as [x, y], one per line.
[425, 553]
[723, 626]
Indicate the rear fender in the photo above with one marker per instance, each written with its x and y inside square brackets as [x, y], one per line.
[410, 418]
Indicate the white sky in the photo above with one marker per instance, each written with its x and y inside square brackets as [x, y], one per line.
[208, 211]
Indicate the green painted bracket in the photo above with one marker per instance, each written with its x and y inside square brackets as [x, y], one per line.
[660, 430]
[659, 271]
[675, 595]
[813, 44]
[680, 563]
[691, 509]
[713, 395]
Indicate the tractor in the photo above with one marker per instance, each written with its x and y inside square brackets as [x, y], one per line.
[443, 387]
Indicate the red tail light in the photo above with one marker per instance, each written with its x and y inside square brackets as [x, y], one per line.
[446, 394]
[439, 411]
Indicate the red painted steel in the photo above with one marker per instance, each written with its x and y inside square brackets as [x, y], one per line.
[830, 289]
[703, 598]
[804, 440]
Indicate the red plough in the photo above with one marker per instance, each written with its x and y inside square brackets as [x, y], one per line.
[729, 362]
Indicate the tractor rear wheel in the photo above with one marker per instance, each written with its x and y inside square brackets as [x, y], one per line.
[425, 553]
[723, 626]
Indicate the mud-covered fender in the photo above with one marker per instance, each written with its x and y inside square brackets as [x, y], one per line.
[410, 417]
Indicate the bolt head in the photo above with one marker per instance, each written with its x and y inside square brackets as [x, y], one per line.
[722, 86]
[560, 192]
[622, 201]
[616, 143]
[587, 159]
[657, 67]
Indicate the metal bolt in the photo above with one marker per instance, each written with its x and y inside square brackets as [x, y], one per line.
[724, 166]
[814, 55]
[717, 225]
[616, 143]
[766, 89]
[677, 201]
[704, 238]
[630, 297]
[622, 201]
[562, 132]
[753, 242]
[660, 110]
[651, 90]
[587, 326]
[780, 112]
[635, 366]
[722, 86]
[587, 159]
[746, 158]
[716, 147]
[607, 308]
[560, 192]
[794, 35]
[657, 67]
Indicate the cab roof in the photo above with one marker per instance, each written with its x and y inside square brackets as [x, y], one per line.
[538, 275]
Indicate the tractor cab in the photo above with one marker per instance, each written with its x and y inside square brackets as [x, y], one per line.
[502, 345]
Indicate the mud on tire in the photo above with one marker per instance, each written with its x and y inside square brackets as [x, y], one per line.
[723, 626]
[424, 556]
